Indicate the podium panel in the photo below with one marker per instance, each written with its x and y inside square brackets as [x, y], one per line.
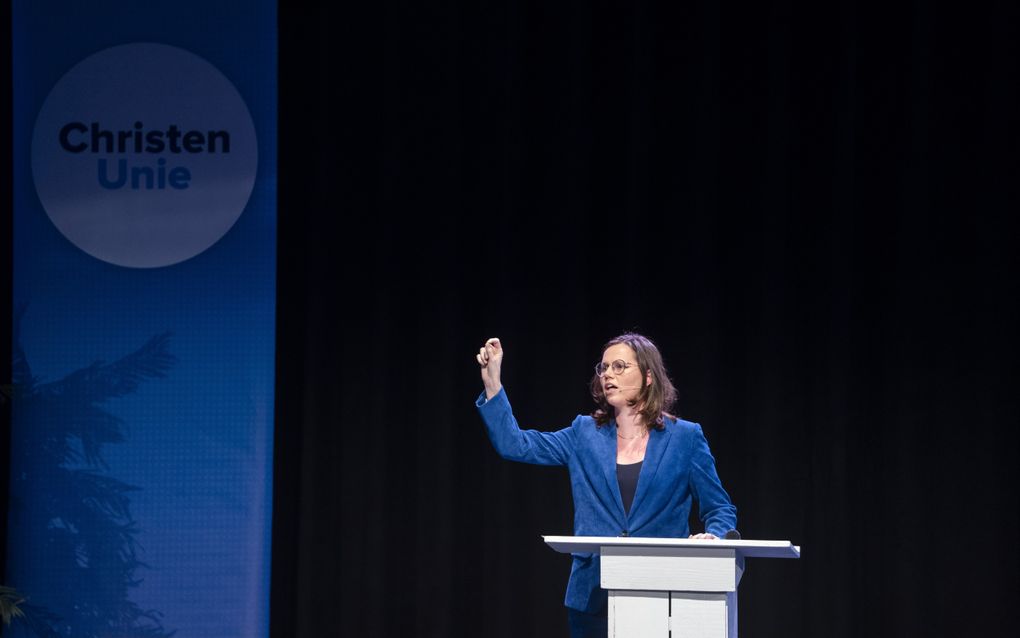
[700, 615]
[633, 613]
[669, 569]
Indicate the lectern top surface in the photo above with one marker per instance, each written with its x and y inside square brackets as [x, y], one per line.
[747, 548]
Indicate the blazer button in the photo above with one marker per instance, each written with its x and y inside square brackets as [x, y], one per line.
[623, 533]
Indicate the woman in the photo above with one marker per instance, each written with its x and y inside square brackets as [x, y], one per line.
[634, 468]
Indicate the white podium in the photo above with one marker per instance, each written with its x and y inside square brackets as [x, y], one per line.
[658, 585]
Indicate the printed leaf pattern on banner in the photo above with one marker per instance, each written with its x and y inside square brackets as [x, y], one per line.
[84, 522]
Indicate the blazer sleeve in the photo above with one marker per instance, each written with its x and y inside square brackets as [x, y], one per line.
[515, 444]
[714, 507]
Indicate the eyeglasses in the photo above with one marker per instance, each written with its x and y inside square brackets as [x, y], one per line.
[617, 367]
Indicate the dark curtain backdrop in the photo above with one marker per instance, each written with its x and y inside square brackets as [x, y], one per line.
[809, 207]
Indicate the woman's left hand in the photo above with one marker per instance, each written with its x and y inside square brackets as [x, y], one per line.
[705, 535]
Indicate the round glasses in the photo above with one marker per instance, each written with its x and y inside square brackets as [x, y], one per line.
[617, 367]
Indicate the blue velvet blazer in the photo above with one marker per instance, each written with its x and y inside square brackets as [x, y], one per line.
[678, 468]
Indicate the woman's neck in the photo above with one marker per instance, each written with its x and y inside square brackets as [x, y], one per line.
[629, 421]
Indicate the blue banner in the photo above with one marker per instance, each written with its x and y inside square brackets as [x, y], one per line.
[144, 329]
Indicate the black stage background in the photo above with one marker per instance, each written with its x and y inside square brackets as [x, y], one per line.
[810, 209]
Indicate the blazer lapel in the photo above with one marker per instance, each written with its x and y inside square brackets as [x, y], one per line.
[658, 440]
[608, 457]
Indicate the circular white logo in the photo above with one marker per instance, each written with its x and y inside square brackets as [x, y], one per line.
[144, 155]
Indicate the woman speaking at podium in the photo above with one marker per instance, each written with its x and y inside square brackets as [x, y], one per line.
[634, 468]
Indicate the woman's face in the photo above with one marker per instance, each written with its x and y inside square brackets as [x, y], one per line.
[621, 387]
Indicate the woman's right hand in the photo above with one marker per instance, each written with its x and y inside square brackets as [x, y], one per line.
[490, 357]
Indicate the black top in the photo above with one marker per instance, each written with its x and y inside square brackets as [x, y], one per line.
[627, 475]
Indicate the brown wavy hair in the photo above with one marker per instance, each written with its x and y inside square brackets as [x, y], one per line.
[656, 400]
